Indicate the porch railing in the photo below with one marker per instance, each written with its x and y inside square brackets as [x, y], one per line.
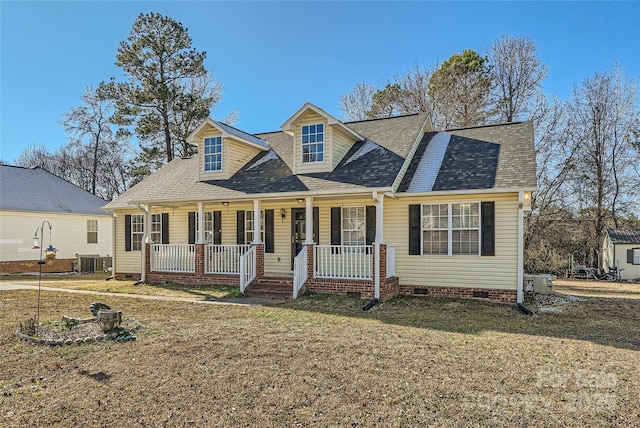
[300, 274]
[223, 259]
[247, 268]
[391, 262]
[173, 258]
[343, 261]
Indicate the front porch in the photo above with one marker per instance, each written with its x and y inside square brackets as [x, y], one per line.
[364, 271]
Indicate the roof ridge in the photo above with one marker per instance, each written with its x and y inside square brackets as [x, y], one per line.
[484, 126]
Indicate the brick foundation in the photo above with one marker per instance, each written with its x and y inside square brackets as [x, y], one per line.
[506, 296]
[50, 266]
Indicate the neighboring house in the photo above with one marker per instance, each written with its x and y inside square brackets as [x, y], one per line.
[621, 248]
[371, 209]
[28, 197]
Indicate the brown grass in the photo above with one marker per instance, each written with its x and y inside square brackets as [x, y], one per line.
[322, 361]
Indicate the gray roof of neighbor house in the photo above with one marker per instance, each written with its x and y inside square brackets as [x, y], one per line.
[624, 236]
[37, 190]
[484, 157]
[490, 157]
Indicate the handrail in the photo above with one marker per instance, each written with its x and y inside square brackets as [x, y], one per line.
[300, 274]
[343, 261]
[173, 258]
[247, 268]
[223, 259]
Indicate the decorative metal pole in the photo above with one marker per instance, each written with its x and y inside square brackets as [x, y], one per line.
[37, 245]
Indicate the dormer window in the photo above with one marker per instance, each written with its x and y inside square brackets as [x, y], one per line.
[213, 154]
[313, 143]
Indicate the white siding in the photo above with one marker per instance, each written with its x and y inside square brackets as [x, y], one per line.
[68, 234]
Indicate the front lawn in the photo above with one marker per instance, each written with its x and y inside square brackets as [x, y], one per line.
[322, 361]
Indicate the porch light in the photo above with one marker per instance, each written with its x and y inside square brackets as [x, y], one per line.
[225, 203]
[283, 214]
[526, 203]
[300, 200]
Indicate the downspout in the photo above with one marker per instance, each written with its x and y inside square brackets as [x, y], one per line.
[143, 253]
[113, 246]
[520, 275]
[378, 197]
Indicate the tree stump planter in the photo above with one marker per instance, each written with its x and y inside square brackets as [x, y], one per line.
[108, 320]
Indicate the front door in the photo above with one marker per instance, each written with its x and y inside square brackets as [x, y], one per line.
[299, 229]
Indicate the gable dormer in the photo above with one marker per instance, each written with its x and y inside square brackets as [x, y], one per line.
[223, 149]
[320, 140]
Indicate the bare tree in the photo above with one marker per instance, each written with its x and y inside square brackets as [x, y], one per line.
[358, 102]
[517, 75]
[91, 124]
[35, 155]
[602, 124]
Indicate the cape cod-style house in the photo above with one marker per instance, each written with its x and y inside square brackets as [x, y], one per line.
[373, 209]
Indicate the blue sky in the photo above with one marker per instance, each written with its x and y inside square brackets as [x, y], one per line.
[272, 57]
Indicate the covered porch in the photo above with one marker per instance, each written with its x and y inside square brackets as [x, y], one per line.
[366, 270]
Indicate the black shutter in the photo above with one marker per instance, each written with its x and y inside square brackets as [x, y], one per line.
[268, 231]
[488, 229]
[240, 228]
[414, 229]
[336, 229]
[371, 224]
[630, 256]
[165, 228]
[127, 232]
[217, 227]
[192, 227]
[316, 225]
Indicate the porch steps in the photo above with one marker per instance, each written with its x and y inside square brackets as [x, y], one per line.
[275, 287]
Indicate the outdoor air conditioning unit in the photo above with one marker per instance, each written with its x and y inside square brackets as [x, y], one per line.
[542, 284]
[92, 264]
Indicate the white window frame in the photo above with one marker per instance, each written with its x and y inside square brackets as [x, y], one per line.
[636, 256]
[314, 155]
[137, 231]
[466, 221]
[155, 235]
[248, 226]
[92, 231]
[213, 154]
[353, 223]
[208, 226]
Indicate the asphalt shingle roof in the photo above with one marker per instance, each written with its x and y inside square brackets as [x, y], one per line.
[486, 157]
[500, 156]
[624, 236]
[37, 190]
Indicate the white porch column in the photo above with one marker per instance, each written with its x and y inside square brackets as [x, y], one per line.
[379, 198]
[309, 220]
[145, 238]
[256, 222]
[200, 223]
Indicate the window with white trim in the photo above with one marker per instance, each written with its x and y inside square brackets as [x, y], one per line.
[248, 226]
[92, 231]
[354, 226]
[137, 231]
[313, 143]
[451, 229]
[208, 226]
[156, 229]
[636, 256]
[213, 154]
